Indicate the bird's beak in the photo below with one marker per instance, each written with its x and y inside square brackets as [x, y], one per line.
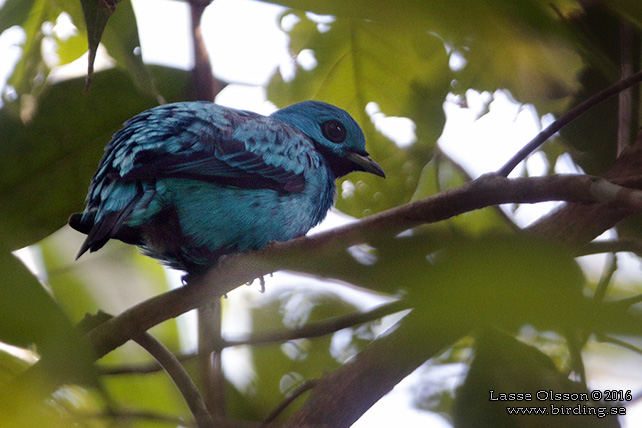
[366, 164]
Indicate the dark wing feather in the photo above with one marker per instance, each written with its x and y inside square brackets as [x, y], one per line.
[198, 144]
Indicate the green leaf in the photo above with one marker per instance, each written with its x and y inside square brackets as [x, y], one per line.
[28, 315]
[15, 12]
[122, 42]
[504, 281]
[280, 368]
[441, 174]
[355, 62]
[30, 72]
[524, 46]
[120, 38]
[47, 164]
[503, 365]
[71, 49]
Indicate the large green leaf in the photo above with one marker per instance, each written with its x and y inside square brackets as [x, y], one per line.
[503, 365]
[47, 164]
[359, 62]
[30, 318]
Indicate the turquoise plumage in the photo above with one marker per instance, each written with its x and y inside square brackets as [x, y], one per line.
[189, 182]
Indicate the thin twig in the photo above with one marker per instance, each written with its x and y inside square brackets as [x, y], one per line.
[308, 331]
[180, 377]
[618, 342]
[289, 399]
[606, 279]
[629, 301]
[567, 118]
[625, 98]
[320, 328]
[624, 245]
[575, 345]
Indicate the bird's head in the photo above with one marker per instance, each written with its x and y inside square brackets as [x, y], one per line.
[336, 135]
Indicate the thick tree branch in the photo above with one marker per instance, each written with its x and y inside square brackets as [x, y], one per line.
[486, 191]
[575, 225]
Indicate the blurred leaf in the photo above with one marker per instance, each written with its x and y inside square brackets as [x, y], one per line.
[504, 365]
[503, 281]
[521, 46]
[358, 62]
[112, 280]
[593, 136]
[15, 12]
[29, 74]
[71, 49]
[630, 9]
[123, 44]
[47, 164]
[281, 368]
[154, 393]
[441, 174]
[28, 315]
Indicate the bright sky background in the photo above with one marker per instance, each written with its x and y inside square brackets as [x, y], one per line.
[246, 46]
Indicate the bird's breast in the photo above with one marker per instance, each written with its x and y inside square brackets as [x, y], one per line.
[213, 219]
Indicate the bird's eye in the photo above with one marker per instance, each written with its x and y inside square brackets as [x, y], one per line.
[334, 131]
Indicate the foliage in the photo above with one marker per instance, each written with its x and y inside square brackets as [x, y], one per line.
[472, 275]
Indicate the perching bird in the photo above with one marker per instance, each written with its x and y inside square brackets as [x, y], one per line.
[189, 182]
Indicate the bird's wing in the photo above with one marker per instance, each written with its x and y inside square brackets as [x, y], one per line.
[195, 140]
[200, 141]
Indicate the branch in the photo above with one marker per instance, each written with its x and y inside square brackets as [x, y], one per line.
[567, 118]
[180, 377]
[231, 271]
[342, 396]
[320, 328]
[293, 395]
[624, 245]
[301, 254]
[210, 366]
[316, 329]
[167, 361]
[204, 85]
[575, 225]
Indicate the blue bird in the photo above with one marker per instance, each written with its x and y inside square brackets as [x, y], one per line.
[189, 182]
